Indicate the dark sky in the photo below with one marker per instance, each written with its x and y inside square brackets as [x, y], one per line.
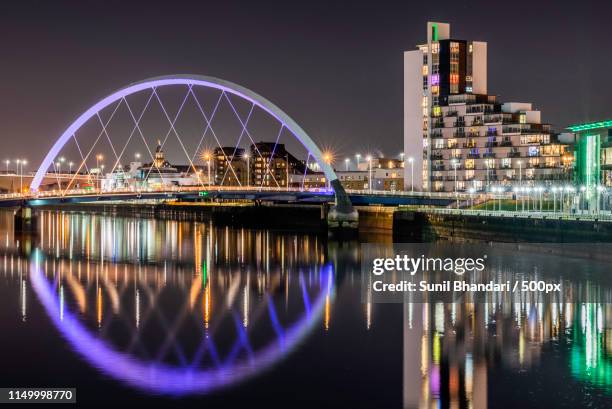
[335, 67]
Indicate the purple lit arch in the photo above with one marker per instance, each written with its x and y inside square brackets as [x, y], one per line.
[189, 80]
[161, 378]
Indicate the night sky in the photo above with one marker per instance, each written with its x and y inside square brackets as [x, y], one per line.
[335, 67]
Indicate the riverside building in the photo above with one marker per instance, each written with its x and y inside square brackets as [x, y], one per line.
[462, 138]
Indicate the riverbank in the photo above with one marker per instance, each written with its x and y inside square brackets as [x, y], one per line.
[398, 223]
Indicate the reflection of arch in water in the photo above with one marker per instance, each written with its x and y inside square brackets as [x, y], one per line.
[162, 378]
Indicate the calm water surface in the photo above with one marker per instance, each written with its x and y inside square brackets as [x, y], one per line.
[191, 314]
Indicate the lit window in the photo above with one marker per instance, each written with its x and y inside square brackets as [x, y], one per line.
[435, 47]
[523, 119]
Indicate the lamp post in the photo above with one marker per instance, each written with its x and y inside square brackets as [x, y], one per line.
[70, 165]
[327, 158]
[520, 163]
[287, 184]
[600, 189]
[369, 159]
[471, 190]
[516, 193]
[358, 158]
[248, 159]
[411, 161]
[99, 157]
[20, 163]
[346, 163]
[206, 157]
[7, 163]
[554, 190]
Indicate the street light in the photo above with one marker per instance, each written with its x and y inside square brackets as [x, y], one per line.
[471, 191]
[411, 160]
[328, 158]
[369, 159]
[516, 190]
[99, 157]
[346, 163]
[137, 156]
[358, 157]
[7, 162]
[554, 190]
[248, 159]
[20, 163]
[520, 163]
[206, 156]
[70, 164]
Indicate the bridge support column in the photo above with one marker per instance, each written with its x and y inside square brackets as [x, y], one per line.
[25, 220]
[342, 217]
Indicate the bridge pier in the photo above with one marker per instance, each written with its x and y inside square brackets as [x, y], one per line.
[25, 220]
[342, 217]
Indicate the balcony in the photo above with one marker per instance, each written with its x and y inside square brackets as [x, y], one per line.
[490, 133]
[491, 145]
[492, 119]
[506, 142]
[437, 156]
[458, 124]
[456, 156]
[473, 156]
[473, 135]
[451, 113]
[514, 154]
[437, 167]
[477, 122]
[489, 155]
[458, 134]
[437, 124]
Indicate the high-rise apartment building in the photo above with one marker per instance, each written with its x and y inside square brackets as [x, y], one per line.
[461, 137]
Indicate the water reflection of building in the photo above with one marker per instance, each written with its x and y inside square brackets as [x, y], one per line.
[239, 295]
[450, 348]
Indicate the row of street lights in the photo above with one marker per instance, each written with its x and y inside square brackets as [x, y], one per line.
[532, 198]
[19, 169]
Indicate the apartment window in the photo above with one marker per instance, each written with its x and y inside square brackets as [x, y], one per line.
[435, 48]
[506, 162]
[490, 163]
[523, 118]
[533, 151]
[425, 70]
[469, 164]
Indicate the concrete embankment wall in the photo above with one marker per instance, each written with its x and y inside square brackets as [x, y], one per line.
[422, 225]
[290, 217]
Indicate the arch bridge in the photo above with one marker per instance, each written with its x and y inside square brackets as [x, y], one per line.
[341, 215]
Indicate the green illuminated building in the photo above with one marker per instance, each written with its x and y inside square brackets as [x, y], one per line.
[593, 154]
